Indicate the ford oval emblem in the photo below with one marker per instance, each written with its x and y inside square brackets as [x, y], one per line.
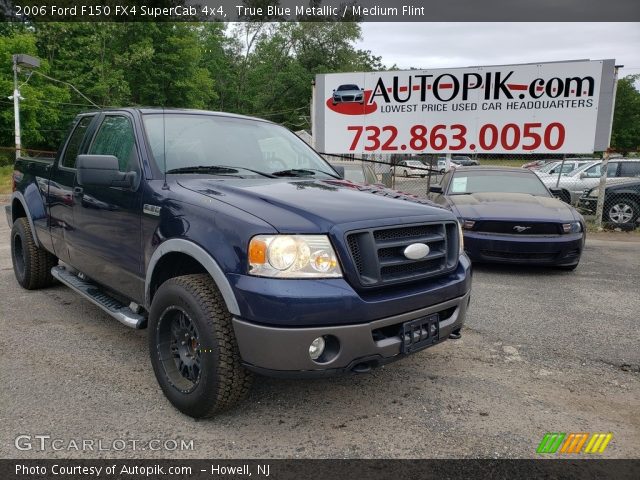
[416, 251]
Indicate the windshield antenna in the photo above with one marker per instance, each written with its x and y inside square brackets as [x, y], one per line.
[164, 151]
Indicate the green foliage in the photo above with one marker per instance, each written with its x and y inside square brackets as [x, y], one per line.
[40, 114]
[254, 68]
[625, 136]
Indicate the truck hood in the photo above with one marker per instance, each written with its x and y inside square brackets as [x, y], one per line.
[314, 206]
[511, 206]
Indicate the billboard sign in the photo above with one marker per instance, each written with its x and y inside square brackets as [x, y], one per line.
[560, 107]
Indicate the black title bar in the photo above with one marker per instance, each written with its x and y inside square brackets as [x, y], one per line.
[325, 10]
[131, 469]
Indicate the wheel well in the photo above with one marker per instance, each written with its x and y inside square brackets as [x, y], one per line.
[174, 264]
[622, 196]
[17, 210]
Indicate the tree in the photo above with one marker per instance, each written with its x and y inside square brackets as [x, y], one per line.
[625, 136]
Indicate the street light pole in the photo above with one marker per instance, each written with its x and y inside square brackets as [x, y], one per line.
[27, 61]
[16, 105]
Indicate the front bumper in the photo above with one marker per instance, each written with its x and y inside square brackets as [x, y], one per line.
[279, 351]
[524, 249]
[325, 302]
[588, 204]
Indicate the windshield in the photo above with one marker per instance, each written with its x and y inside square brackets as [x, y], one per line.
[496, 182]
[181, 141]
[343, 88]
[415, 163]
[548, 167]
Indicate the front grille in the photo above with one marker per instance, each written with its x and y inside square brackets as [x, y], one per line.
[517, 228]
[378, 254]
[347, 98]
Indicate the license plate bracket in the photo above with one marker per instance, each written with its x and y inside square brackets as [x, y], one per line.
[420, 333]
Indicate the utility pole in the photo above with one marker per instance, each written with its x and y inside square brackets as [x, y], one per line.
[18, 61]
[16, 105]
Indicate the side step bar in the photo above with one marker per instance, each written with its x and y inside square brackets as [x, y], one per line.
[95, 295]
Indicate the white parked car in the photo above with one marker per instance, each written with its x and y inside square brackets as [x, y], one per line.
[445, 165]
[555, 168]
[412, 168]
[587, 176]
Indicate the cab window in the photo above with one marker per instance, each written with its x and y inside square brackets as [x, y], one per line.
[73, 146]
[116, 137]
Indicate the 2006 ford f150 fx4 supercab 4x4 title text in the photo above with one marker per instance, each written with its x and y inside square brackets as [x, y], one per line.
[238, 247]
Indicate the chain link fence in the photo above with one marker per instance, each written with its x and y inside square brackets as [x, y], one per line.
[575, 179]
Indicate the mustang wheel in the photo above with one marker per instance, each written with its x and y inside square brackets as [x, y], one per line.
[622, 211]
[32, 265]
[193, 348]
[406, 173]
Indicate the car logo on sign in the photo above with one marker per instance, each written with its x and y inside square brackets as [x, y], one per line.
[416, 251]
[520, 228]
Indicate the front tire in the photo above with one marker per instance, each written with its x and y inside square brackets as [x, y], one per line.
[621, 212]
[193, 348]
[406, 174]
[31, 264]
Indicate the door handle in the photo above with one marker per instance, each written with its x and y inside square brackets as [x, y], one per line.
[78, 190]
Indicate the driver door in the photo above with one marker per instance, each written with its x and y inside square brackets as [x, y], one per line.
[107, 239]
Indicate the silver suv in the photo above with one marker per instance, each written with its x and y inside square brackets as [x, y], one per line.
[574, 183]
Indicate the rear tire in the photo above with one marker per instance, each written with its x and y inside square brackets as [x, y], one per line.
[31, 264]
[193, 348]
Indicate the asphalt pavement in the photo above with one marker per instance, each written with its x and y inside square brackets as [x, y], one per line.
[543, 351]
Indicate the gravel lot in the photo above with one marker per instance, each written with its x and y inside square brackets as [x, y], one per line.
[543, 351]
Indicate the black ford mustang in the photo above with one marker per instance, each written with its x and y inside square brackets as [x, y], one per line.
[509, 215]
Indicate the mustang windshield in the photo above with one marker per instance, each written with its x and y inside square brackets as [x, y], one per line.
[183, 143]
[464, 183]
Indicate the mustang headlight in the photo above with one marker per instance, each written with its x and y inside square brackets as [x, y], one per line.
[293, 256]
[573, 227]
[594, 192]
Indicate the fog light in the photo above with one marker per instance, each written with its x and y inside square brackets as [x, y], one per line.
[316, 348]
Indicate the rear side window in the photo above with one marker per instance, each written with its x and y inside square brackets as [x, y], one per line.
[115, 137]
[73, 146]
[630, 169]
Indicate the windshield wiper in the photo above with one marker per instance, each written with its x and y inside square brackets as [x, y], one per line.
[216, 170]
[301, 172]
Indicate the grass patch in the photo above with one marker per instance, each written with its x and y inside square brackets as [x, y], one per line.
[5, 179]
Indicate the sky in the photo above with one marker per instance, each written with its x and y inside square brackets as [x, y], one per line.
[438, 45]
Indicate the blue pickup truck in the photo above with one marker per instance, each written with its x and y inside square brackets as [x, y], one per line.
[239, 249]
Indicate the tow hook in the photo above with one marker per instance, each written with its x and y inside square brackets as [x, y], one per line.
[455, 335]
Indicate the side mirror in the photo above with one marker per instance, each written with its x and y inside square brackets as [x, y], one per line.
[583, 175]
[334, 89]
[103, 171]
[435, 189]
[556, 192]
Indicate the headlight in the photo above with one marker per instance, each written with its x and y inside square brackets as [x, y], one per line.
[461, 238]
[594, 192]
[573, 227]
[293, 256]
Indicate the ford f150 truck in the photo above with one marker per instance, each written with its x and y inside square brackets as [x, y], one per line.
[238, 247]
